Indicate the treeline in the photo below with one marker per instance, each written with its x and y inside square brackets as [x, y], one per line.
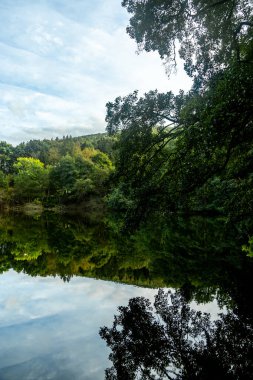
[190, 152]
[50, 172]
[200, 255]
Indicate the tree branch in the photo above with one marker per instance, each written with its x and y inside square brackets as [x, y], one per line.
[241, 24]
[217, 3]
[235, 34]
[161, 138]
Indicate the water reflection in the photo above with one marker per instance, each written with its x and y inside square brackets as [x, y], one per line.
[174, 341]
[49, 329]
[51, 318]
[199, 254]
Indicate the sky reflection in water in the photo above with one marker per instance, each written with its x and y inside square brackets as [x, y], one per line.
[49, 329]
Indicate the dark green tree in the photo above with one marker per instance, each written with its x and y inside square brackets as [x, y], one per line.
[174, 341]
[172, 147]
[63, 176]
[75, 178]
[6, 157]
[209, 33]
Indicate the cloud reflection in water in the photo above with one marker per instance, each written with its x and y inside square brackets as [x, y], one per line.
[49, 329]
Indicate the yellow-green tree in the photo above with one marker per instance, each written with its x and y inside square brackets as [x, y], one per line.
[30, 179]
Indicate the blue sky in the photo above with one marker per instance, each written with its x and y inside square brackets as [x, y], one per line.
[61, 61]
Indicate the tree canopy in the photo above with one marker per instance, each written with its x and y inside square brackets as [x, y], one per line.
[209, 33]
[189, 151]
[31, 178]
[172, 147]
[55, 171]
[174, 341]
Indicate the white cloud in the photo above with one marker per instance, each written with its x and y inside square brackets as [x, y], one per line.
[61, 62]
[54, 325]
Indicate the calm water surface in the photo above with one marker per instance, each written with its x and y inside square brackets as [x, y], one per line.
[49, 329]
[57, 286]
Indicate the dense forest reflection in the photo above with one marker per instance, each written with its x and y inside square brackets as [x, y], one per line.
[202, 258]
[199, 255]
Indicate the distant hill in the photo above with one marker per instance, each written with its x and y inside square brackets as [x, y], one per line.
[49, 151]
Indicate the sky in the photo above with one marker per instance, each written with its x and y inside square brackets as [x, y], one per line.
[61, 61]
[50, 328]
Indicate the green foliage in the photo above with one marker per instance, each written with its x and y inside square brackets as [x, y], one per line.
[187, 152]
[82, 188]
[217, 139]
[75, 178]
[31, 179]
[50, 151]
[6, 157]
[118, 201]
[53, 171]
[249, 248]
[3, 180]
[202, 256]
[210, 34]
[3, 187]
[63, 175]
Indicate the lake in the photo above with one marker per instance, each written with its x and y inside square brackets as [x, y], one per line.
[63, 278]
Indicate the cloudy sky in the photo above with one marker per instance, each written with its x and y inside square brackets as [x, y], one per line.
[61, 61]
[49, 328]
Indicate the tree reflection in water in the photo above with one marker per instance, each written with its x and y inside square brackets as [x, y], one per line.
[201, 256]
[171, 340]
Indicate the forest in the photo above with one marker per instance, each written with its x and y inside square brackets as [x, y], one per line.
[187, 152]
[55, 172]
[162, 199]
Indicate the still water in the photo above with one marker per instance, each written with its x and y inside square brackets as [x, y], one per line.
[49, 329]
[64, 278]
